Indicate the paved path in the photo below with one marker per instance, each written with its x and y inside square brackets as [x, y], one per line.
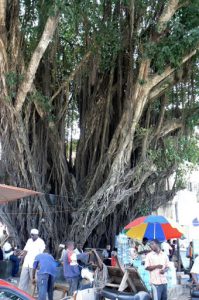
[177, 293]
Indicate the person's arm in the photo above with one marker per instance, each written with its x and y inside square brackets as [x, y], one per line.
[33, 276]
[166, 268]
[99, 261]
[143, 251]
[35, 266]
[149, 267]
[152, 268]
[25, 250]
[140, 251]
[23, 253]
[84, 257]
[195, 278]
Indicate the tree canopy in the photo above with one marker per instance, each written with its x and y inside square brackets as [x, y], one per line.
[126, 72]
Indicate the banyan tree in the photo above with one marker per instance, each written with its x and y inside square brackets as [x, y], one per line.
[126, 73]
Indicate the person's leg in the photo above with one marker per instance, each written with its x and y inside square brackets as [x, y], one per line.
[164, 292]
[73, 285]
[15, 264]
[70, 290]
[24, 279]
[42, 285]
[12, 259]
[30, 273]
[156, 292]
[51, 281]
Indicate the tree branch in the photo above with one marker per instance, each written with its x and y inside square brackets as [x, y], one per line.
[2, 13]
[72, 75]
[26, 84]
[154, 81]
[170, 8]
[162, 114]
[170, 126]
[161, 88]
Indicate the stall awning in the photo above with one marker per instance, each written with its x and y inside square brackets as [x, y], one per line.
[11, 193]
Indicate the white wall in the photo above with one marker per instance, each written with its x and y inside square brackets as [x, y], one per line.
[187, 205]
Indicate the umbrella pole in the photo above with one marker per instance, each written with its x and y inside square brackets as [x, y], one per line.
[154, 231]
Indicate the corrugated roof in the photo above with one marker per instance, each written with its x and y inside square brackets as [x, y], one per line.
[11, 193]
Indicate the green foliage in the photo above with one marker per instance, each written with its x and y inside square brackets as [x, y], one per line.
[181, 153]
[192, 119]
[184, 35]
[42, 100]
[176, 151]
[13, 80]
[144, 209]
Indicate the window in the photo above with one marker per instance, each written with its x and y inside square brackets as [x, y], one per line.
[4, 295]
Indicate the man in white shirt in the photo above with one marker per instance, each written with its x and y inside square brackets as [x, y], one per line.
[166, 248]
[34, 246]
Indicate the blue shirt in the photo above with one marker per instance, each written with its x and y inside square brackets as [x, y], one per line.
[46, 264]
[72, 271]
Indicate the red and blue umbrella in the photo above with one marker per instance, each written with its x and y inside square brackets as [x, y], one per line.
[153, 227]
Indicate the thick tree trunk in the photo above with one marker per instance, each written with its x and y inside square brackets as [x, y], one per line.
[115, 176]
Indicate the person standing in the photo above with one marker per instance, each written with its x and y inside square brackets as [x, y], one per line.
[189, 254]
[114, 259]
[47, 268]
[106, 254]
[34, 246]
[157, 263]
[79, 249]
[72, 271]
[166, 247]
[15, 259]
[7, 249]
[143, 250]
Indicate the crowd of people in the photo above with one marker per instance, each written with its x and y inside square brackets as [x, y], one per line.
[40, 268]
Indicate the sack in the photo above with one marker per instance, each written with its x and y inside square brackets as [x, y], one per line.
[87, 274]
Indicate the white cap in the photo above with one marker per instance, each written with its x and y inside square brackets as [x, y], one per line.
[34, 231]
[61, 246]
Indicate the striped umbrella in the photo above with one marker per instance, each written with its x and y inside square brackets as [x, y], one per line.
[153, 227]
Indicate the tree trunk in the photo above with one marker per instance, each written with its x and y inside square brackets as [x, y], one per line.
[125, 117]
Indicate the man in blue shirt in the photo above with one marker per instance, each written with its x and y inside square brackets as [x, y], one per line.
[46, 266]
